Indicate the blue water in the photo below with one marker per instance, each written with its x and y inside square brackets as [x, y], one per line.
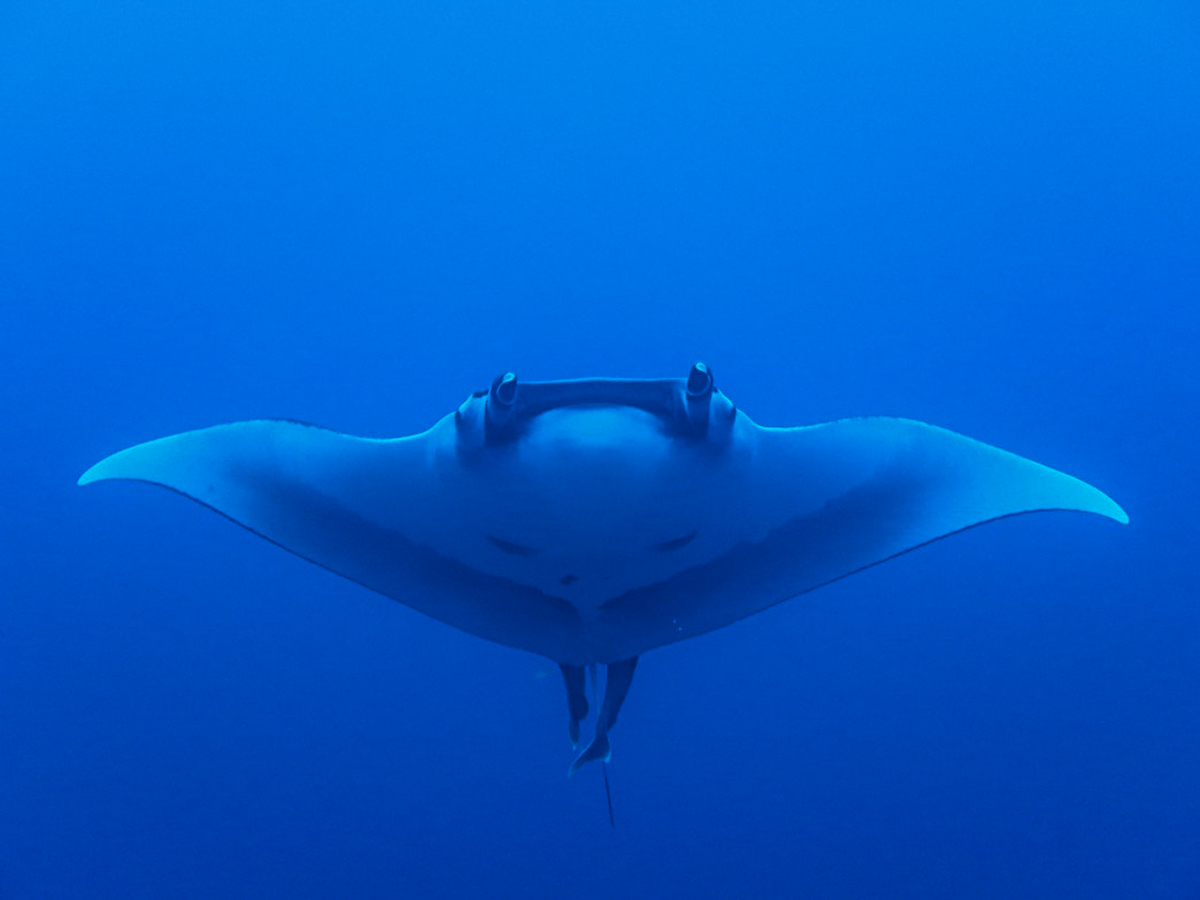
[982, 215]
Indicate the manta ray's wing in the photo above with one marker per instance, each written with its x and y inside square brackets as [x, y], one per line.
[824, 501]
[317, 493]
[594, 535]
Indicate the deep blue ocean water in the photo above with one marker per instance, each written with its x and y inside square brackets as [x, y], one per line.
[985, 216]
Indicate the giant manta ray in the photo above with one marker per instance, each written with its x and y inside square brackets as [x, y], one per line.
[590, 521]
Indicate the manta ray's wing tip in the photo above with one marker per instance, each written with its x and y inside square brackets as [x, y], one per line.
[170, 461]
[1049, 489]
[1101, 504]
[95, 473]
[108, 468]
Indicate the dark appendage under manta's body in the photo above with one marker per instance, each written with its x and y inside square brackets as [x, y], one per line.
[619, 676]
[577, 705]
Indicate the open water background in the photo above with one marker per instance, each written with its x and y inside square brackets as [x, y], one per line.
[983, 215]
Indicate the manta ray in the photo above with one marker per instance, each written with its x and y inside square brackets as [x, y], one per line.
[590, 521]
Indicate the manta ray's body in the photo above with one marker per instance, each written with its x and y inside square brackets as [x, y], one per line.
[591, 521]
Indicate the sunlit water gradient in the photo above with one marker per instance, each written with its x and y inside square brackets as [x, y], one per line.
[984, 215]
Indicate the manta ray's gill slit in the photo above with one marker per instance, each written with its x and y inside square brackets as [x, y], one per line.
[676, 543]
[512, 549]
